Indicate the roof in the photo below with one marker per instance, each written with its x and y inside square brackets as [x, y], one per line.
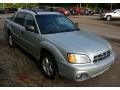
[41, 13]
[38, 11]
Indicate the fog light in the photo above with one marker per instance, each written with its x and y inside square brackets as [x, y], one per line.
[82, 76]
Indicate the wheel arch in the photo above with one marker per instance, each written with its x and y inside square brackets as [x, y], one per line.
[43, 51]
[52, 49]
[109, 15]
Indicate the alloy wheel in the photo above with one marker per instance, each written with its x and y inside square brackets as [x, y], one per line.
[47, 66]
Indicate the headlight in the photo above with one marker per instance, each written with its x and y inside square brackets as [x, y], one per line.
[75, 58]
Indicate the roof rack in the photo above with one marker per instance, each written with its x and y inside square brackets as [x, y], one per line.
[38, 10]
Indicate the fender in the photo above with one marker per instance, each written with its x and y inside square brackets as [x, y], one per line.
[54, 51]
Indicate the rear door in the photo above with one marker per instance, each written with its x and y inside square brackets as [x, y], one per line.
[17, 26]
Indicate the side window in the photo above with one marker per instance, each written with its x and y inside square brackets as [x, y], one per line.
[20, 18]
[117, 10]
[29, 21]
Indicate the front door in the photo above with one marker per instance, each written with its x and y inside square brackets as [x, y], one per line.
[30, 38]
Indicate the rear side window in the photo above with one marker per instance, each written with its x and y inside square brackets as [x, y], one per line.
[20, 18]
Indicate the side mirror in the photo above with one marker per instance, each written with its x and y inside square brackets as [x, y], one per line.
[114, 12]
[30, 28]
[76, 24]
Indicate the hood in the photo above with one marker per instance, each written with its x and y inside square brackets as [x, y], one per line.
[79, 42]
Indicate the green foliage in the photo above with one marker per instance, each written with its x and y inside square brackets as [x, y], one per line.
[35, 5]
[18, 5]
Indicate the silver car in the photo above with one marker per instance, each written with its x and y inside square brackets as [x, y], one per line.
[114, 14]
[59, 45]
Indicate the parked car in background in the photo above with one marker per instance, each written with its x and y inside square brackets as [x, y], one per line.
[99, 11]
[89, 11]
[48, 8]
[72, 12]
[82, 11]
[10, 10]
[59, 45]
[63, 11]
[2, 11]
[114, 14]
[77, 10]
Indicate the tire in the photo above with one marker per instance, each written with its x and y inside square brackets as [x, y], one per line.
[10, 40]
[48, 65]
[108, 18]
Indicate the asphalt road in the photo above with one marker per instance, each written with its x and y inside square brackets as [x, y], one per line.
[18, 68]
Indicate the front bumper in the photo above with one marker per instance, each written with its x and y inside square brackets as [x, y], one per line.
[80, 72]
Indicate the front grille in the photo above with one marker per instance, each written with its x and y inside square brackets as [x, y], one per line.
[101, 56]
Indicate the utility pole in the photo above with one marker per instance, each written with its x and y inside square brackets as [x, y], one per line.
[77, 5]
[111, 7]
[3, 6]
[86, 5]
[80, 5]
[25, 5]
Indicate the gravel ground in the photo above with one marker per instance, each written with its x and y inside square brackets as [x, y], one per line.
[100, 27]
[18, 68]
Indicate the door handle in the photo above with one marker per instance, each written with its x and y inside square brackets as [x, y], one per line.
[22, 32]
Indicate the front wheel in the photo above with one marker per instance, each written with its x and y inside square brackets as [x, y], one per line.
[48, 65]
[108, 18]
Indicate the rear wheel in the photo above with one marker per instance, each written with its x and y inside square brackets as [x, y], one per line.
[10, 40]
[48, 65]
[108, 18]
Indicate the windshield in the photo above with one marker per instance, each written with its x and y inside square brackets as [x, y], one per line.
[112, 10]
[54, 24]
